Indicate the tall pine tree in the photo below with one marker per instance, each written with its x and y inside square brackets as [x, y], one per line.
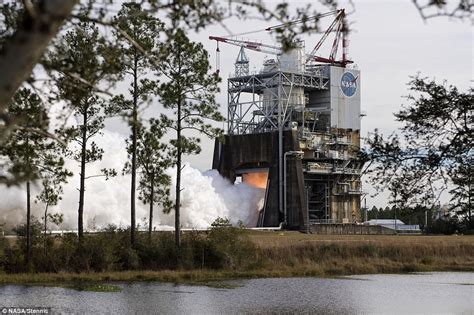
[189, 93]
[85, 60]
[144, 30]
[30, 155]
[153, 159]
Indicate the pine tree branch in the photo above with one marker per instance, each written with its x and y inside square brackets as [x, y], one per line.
[201, 130]
[77, 77]
[43, 133]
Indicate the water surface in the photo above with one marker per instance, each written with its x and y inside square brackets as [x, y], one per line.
[427, 293]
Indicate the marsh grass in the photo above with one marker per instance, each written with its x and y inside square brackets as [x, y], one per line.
[92, 287]
[270, 254]
[340, 255]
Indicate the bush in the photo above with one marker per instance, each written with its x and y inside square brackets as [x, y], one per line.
[223, 247]
[35, 232]
[229, 247]
[3, 246]
[157, 251]
[445, 226]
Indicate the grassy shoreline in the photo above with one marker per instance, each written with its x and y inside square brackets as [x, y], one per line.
[292, 254]
[207, 277]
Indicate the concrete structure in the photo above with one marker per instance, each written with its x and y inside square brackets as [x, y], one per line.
[294, 129]
[315, 112]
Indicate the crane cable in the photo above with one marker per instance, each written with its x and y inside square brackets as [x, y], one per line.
[275, 27]
[311, 18]
[218, 58]
[272, 28]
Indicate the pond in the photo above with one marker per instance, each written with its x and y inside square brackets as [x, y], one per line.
[443, 292]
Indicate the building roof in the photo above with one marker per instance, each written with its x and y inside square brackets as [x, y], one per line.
[384, 222]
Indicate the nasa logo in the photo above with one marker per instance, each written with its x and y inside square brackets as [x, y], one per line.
[348, 84]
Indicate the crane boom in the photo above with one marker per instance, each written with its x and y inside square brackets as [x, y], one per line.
[338, 26]
[331, 27]
[256, 46]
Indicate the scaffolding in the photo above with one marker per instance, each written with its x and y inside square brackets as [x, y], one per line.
[277, 100]
[304, 107]
[269, 104]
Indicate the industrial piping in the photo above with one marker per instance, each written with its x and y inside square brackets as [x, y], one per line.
[298, 154]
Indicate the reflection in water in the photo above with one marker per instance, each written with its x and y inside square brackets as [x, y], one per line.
[415, 293]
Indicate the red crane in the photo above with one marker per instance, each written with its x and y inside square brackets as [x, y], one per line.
[338, 26]
[256, 46]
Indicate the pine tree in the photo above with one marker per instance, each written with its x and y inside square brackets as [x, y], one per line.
[144, 30]
[31, 156]
[50, 195]
[189, 93]
[153, 158]
[433, 151]
[85, 61]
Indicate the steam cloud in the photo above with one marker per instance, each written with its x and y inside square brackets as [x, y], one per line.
[205, 197]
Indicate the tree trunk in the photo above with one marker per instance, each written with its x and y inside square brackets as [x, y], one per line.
[23, 50]
[178, 186]
[134, 149]
[80, 212]
[28, 222]
[152, 192]
[469, 198]
[45, 219]
[45, 225]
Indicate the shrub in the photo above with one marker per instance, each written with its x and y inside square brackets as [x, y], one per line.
[223, 246]
[3, 246]
[445, 226]
[230, 247]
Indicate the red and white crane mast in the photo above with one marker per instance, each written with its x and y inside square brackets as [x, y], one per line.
[338, 26]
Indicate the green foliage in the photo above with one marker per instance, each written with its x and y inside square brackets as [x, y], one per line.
[3, 247]
[189, 92]
[12, 16]
[447, 226]
[459, 9]
[433, 152]
[153, 158]
[230, 245]
[50, 196]
[56, 218]
[29, 153]
[409, 215]
[142, 30]
[83, 58]
[223, 247]
[35, 231]
[220, 222]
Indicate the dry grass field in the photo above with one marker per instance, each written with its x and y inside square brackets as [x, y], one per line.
[310, 254]
[290, 253]
[268, 239]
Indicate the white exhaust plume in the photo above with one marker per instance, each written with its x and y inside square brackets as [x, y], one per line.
[205, 197]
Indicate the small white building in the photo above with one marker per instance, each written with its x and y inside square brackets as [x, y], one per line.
[395, 224]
